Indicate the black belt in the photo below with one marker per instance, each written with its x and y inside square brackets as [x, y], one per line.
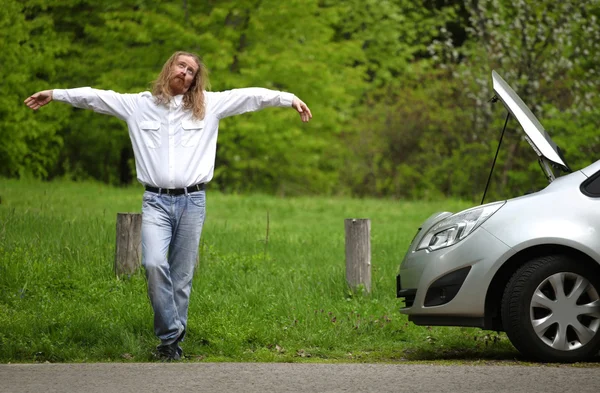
[176, 191]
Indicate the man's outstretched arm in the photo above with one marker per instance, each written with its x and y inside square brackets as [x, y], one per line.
[101, 101]
[39, 99]
[237, 101]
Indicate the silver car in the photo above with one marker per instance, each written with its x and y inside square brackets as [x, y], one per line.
[528, 266]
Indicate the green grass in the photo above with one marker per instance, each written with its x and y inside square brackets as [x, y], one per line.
[255, 298]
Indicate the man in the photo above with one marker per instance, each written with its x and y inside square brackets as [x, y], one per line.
[173, 131]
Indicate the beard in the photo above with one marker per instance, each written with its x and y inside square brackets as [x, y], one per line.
[177, 85]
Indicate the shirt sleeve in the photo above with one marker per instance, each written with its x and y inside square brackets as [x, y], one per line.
[102, 101]
[238, 101]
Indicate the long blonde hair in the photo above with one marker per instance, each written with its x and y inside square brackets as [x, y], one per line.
[194, 97]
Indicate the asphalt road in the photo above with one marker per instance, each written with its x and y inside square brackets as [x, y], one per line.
[284, 377]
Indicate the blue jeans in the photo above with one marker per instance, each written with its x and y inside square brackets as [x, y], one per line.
[171, 228]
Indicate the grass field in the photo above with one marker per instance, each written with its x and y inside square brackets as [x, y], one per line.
[281, 297]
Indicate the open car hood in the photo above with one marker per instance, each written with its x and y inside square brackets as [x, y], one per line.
[549, 153]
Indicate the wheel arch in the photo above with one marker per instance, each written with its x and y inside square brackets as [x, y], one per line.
[493, 298]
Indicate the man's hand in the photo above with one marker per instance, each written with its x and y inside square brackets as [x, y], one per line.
[302, 109]
[39, 99]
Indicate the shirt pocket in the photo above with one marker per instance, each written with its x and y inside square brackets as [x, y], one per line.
[192, 132]
[150, 131]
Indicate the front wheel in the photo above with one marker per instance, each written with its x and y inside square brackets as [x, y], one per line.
[551, 310]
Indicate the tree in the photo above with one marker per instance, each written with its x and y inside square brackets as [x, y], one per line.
[547, 50]
[283, 46]
[28, 144]
[121, 45]
[407, 102]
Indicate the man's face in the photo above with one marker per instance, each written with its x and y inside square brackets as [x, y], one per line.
[182, 75]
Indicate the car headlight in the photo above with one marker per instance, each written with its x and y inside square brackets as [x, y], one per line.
[453, 229]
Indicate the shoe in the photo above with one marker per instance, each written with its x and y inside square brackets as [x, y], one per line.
[168, 353]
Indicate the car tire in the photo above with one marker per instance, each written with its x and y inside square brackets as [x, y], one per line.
[551, 309]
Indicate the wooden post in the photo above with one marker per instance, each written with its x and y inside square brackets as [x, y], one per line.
[128, 250]
[358, 253]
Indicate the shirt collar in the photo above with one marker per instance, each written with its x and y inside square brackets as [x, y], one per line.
[177, 99]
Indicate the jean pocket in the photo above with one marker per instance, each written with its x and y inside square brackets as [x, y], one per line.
[192, 132]
[148, 198]
[198, 199]
[150, 131]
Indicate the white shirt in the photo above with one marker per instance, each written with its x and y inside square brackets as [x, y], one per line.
[171, 149]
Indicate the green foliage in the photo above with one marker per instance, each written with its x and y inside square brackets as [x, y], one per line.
[414, 144]
[399, 89]
[539, 48]
[577, 134]
[271, 150]
[391, 34]
[28, 144]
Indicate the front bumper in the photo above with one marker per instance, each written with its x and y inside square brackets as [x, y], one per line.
[449, 286]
